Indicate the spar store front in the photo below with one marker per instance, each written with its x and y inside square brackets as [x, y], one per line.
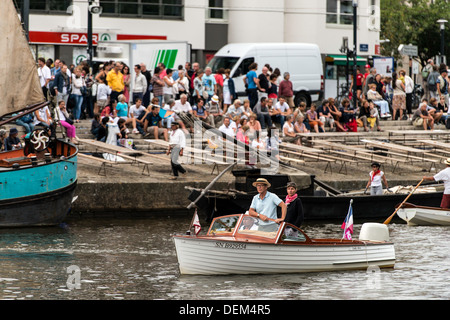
[71, 47]
[335, 72]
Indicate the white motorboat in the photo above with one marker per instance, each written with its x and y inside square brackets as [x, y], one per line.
[424, 216]
[241, 244]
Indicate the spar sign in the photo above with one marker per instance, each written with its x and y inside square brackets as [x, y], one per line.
[72, 38]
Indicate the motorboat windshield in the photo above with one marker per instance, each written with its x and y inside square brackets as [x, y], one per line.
[253, 226]
[243, 225]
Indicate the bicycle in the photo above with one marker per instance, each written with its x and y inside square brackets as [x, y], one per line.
[343, 93]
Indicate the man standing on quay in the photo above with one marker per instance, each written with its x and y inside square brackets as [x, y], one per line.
[177, 143]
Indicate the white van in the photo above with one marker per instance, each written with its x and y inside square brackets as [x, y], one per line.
[301, 60]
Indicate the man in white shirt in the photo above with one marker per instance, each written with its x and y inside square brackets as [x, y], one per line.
[138, 111]
[280, 111]
[177, 143]
[236, 109]
[140, 84]
[227, 128]
[45, 76]
[180, 106]
[443, 175]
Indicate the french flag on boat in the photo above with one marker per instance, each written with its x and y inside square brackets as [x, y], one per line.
[196, 223]
[347, 225]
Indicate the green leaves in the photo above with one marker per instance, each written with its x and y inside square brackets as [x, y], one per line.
[414, 22]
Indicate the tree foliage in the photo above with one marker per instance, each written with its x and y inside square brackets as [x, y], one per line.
[414, 22]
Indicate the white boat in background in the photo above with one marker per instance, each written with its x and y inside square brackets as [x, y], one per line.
[241, 244]
[424, 216]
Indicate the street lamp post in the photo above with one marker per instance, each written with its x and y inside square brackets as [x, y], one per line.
[89, 34]
[442, 23]
[355, 52]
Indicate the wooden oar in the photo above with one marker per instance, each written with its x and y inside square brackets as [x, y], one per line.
[409, 195]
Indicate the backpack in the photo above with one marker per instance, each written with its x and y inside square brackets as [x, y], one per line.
[432, 79]
[426, 71]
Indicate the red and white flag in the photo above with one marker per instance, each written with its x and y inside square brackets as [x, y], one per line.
[347, 225]
[196, 223]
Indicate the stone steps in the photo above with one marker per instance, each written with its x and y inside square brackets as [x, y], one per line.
[83, 131]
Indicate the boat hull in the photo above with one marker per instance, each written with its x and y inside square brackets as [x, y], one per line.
[41, 193]
[214, 257]
[424, 216]
[322, 207]
[47, 209]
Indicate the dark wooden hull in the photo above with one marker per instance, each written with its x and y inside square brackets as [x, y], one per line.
[321, 207]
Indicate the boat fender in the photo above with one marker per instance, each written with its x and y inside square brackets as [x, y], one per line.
[374, 232]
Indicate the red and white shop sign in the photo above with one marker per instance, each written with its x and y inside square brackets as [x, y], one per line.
[75, 38]
[61, 37]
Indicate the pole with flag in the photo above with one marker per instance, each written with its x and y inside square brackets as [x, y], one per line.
[195, 222]
[347, 225]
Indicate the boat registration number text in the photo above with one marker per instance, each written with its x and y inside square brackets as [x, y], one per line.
[228, 245]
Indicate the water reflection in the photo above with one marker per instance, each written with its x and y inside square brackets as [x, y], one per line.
[135, 259]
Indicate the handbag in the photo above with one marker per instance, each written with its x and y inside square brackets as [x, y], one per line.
[175, 89]
[69, 121]
[360, 123]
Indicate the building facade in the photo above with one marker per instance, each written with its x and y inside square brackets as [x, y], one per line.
[58, 28]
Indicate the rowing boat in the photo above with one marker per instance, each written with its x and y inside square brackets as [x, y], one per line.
[424, 216]
[241, 244]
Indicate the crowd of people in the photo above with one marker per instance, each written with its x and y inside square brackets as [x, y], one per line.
[158, 97]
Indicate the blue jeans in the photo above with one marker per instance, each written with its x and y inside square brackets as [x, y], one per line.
[280, 119]
[169, 121]
[77, 108]
[160, 100]
[28, 126]
[384, 106]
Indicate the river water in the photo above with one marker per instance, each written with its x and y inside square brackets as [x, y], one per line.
[134, 258]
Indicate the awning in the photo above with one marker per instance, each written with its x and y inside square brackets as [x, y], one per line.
[341, 60]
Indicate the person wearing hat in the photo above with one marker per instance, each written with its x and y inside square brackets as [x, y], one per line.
[376, 177]
[12, 142]
[443, 175]
[294, 212]
[213, 109]
[264, 204]
[177, 143]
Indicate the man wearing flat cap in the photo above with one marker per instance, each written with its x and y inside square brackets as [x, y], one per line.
[264, 204]
[13, 141]
[443, 175]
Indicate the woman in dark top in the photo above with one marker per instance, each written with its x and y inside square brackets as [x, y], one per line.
[294, 214]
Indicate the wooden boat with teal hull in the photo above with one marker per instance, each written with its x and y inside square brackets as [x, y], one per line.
[37, 182]
[37, 189]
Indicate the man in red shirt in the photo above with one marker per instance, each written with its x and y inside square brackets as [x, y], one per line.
[286, 90]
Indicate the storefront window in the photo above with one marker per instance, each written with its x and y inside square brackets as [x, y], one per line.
[155, 9]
